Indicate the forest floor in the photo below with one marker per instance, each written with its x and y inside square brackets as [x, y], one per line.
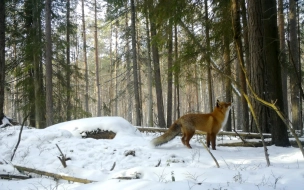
[170, 166]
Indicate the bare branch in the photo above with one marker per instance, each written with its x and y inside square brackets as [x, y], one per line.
[244, 141]
[217, 164]
[63, 158]
[19, 138]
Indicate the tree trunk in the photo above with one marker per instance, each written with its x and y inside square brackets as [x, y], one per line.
[34, 87]
[68, 74]
[135, 75]
[40, 70]
[77, 80]
[150, 71]
[116, 63]
[209, 76]
[239, 46]
[157, 77]
[86, 75]
[170, 75]
[241, 74]
[245, 31]
[38, 86]
[176, 76]
[48, 64]
[128, 61]
[97, 63]
[36, 64]
[15, 103]
[294, 61]
[283, 62]
[257, 63]
[156, 67]
[29, 88]
[228, 87]
[31, 97]
[2, 57]
[273, 69]
[111, 89]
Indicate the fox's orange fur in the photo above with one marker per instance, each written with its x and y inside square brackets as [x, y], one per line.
[211, 123]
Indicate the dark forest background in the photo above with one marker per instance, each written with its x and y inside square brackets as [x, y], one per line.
[152, 61]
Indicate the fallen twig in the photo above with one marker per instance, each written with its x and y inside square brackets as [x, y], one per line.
[114, 164]
[9, 176]
[159, 161]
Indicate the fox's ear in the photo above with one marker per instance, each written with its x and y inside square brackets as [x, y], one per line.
[217, 103]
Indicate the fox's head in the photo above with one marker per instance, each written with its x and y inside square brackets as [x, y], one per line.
[223, 106]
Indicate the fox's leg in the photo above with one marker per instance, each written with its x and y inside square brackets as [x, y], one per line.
[183, 139]
[183, 136]
[213, 140]
[189, 135]
[208, 140]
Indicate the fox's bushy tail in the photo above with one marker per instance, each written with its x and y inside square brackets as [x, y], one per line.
[172, 132]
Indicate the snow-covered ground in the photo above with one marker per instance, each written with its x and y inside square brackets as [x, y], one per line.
[180, 167]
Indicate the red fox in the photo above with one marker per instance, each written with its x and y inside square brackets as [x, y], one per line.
[211, 123]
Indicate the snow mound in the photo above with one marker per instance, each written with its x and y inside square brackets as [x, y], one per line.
[118, 125]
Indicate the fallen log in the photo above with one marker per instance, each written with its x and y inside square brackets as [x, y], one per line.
[246, 144]
[256, 144]
[243, 134]
[53, 175]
